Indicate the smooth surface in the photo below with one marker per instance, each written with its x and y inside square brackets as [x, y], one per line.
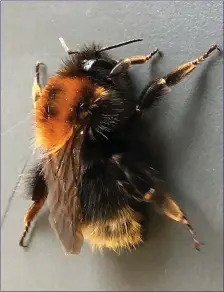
[188, 134]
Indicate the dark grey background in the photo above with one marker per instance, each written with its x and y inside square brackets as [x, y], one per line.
[188, 130]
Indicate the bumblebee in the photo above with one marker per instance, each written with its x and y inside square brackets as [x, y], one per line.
[84, 123]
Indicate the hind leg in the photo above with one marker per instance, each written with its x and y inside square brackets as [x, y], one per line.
[38, 192]
[29, 217]
[166, 205]
[163, 86]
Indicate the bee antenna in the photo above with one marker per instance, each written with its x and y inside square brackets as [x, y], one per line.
[119, 45]
[66, 48]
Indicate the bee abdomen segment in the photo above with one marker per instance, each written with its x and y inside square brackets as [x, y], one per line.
[122, 232]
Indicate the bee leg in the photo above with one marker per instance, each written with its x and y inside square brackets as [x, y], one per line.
[162, 86]
[123, 65]
[37, 189]
[29, 217]
[184, 70]
[36, 88]
[170, 208]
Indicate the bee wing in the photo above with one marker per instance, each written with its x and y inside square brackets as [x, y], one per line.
[63, 218]
[63, 200]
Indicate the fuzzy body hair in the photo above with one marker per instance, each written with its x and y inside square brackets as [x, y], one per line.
[88, 123]
[104, 190]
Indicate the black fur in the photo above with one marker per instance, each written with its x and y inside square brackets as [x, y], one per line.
[107, 185]
[36, 184]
